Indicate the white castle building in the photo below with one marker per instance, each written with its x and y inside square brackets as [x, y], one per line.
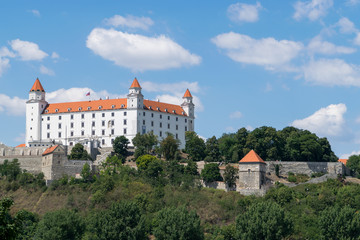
[101, 121]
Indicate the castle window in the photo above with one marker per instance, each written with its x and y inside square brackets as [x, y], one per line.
[32, 119]
[93, 115]
[113, 114]
[103, 141]
[160, 116]
[103, 132]
[82, 116]
[72, 125]
[168, 125]
[112, 131]
[112, 122]
[166, 110]
[249, 171]
[59, 125]
[185, 128]
[144, 114]
[185, 120]
[112, 106]
[112, 141]
[173, 111]
[82, 133]
[168, 117]
[48, 118]
[158, 108]
[69, 109]
[152, 123]
[46, 111]
[125, 122]
[177, 136]
[122, 105]
[59, 134]
[93, 124]
[177, 127]
[93, 132]
[143, 122]
[152, 115]
[56, 110]
[72, 116]
[71, 133]
[80, 108]
[150, 107]
[103, 123]
[160, 124]
[190, 121]
[59, 117]
[48, 126]
[82, 124]
[160, 134]
[71, 143]
[100, 107]
[124, 130]
[48, 135]
[124, 113]
[183, 113]
[88, 108]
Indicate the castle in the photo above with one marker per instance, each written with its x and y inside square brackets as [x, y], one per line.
[99, 122]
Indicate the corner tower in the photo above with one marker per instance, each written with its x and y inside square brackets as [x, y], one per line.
[251, 171]
[189, 109]
[34, 108]
[135, 99]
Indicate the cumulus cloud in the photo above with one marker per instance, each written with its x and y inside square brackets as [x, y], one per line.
[5, 53]
[267, 52]
[46, 71]
[332, 72]
[242, 12]
[12, 105]
[236, 115]
[54, 55]
[312, 10]
[347, 155]
[27, 50]
[357, 39]
[317, 45]
[139, 52]
[176, 91]
[35, 12]
[328, 121]
[346, 26]
[130, 22]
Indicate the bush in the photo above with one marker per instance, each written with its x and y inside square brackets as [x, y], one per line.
[317, 174]
[211, 173]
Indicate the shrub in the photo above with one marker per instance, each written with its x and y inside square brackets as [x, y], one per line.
[292, 178]
[211, 173]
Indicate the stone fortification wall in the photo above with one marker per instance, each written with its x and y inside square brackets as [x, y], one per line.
[31, 164]
[307, 167]
[73, 167]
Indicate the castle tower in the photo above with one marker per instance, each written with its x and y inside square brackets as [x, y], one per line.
[188, 107]
[251, 171]
[34, 108]
[135, 99]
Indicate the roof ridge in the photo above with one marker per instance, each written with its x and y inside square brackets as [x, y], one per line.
[135, 84]
[252, 156]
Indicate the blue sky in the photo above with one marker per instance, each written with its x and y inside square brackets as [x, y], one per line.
[248, 63]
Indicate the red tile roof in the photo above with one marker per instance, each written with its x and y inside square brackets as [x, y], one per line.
[344, 161]
[21, 145]
[135, 84]
[37, 86]
[109, 104]
[49, 150]
[252, 157]
[187, 94]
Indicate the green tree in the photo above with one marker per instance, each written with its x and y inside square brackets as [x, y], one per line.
[124, 220]
[28, 224]
[143, 162]
[59, 225]
[340, 223]
[120, 146]
[212, 150]
[211, 173]
[9, 228]
[146, 141]
[86, 173]
[10, 169]
[78, 152]
[194, 146]
[263, 221]
[174, 172]
[177, 223]
[191, 168]
[230, 175]
[169, 146]
[353, 163]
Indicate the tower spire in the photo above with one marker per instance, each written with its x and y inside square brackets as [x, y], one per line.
[135, 84]
[37, 87]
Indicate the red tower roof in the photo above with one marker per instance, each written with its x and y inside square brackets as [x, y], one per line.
[135, 84]
[187, 94]
[252, 157]
[37, 86]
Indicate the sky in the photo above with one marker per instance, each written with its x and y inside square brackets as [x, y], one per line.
[247, 63]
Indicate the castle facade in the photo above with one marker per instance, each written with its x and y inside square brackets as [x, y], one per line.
[99, 122]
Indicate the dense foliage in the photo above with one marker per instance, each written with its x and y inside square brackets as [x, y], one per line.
[78, 152]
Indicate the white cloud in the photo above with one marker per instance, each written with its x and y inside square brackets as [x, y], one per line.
[249, 128]
[328, 121]
[267, 52]
[27, 50]
[313, 9]
[332, 72]
[5, 52]
[357, 39]
[346, 26]
[35, 12]
[317, 45]
[347, 155]
[78, 94]
[46, 71]
[230, 129]
[242, 12]
[139, 52]
[54, 55]
[130, 22]
[4, 64]
[12, 106]
[235, 115]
